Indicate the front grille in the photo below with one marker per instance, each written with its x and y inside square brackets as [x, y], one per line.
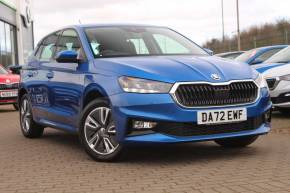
[7, 99]
[271, 83]
[192, 129]
[205, 94]
[282, 98]
[9, 86]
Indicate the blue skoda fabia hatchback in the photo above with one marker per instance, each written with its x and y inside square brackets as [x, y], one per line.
[126, 84]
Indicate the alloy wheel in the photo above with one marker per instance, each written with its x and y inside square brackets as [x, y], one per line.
[25, 114]
[100, 131]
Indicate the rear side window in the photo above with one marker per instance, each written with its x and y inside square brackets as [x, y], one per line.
[47, 47]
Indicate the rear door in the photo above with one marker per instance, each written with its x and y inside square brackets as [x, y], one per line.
[36, 77]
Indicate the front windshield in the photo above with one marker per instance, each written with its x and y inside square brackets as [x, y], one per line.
[281, 57]
[135, 41]
[246, 56]
[2, 70]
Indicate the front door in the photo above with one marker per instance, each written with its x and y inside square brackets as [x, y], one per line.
[66, 84]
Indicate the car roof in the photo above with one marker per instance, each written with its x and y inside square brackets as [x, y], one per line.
[271, 47]
[82, 26]
[112, 25]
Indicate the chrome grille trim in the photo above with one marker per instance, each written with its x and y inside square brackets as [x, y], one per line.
[8, 86]
[177, 84]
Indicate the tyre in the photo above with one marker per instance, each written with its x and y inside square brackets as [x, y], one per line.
[237, 142]
[15, 105]
[98, 132]
[29, 128]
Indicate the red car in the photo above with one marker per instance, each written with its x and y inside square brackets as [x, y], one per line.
[9, 84]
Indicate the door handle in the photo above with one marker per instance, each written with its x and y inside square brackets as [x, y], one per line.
[49, 75]
[29, 73]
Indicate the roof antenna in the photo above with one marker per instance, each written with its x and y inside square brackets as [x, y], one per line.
[80, 21]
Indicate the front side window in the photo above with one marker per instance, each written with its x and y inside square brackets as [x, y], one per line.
[69, 41]
[134, 41]
[47, 47]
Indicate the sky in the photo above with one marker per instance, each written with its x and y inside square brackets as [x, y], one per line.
[199, 20]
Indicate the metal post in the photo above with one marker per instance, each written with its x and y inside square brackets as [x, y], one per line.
[19, 33]
[223, 24]
[238, 26]
[255, 42]
[286, 36]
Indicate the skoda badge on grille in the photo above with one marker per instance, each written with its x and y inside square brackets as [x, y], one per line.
[215, 76]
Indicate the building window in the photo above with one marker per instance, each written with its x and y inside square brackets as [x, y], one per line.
[7, 44]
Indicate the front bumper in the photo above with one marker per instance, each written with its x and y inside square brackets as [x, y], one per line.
[161, 138]
[11, 100]
[280, 95]
[162, 108]
[8, 100]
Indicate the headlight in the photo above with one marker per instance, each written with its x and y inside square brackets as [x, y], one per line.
[285, 77]
[261, 82]
[137, 85]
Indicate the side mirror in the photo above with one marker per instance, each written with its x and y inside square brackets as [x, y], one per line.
[210, 52]
[67, 56]
[15, 69]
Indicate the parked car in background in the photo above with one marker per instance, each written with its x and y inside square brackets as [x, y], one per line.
[278, 79]
[9, 84]
[230, 55]
[125, 84]
[259, 55]
[279, 59]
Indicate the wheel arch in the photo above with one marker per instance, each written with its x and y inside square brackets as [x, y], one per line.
[92, 92]
[22, 91]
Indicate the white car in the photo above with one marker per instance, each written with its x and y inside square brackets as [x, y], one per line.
[278, 79]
